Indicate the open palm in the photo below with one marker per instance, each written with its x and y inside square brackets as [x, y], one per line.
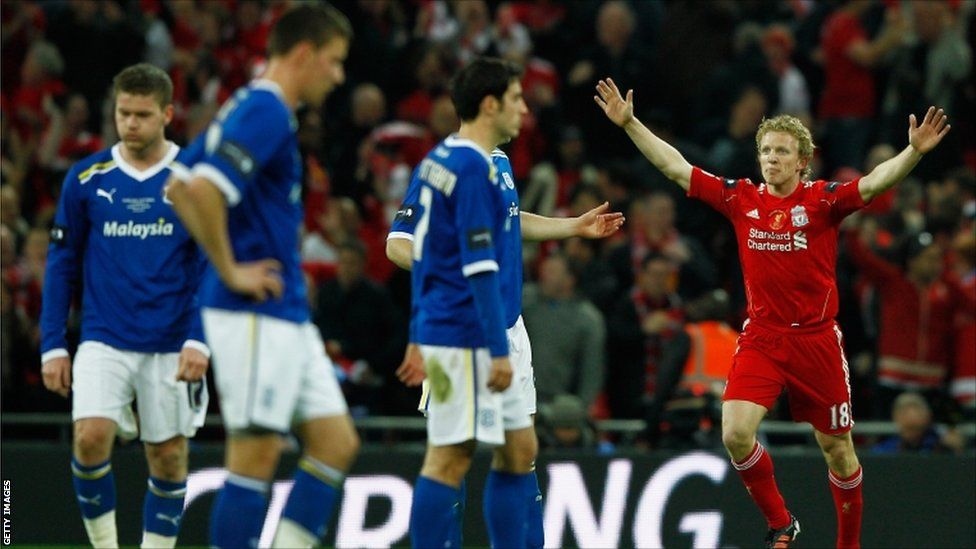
[930, 132]
[618, 110]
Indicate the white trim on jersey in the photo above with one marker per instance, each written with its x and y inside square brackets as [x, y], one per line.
[53, 354]
[498, 153]
[180, 170]
[198, 345]
[142, 175]
[455, 141]
[483, 266]
[269, 85]
[401, 235]
[217, 177]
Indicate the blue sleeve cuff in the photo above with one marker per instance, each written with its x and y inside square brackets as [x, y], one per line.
[487, 298]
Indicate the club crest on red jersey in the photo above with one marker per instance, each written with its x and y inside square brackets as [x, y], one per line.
[799, 216]
[777, 218]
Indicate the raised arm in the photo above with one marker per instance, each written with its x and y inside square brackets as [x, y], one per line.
[596, 223]
[921, 139]
[665, 158]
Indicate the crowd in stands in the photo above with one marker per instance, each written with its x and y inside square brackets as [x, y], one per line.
[637, 326]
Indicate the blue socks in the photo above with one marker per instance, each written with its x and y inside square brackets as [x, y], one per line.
[310, 504]
[238, 513]
[535, 536]
[94, 488]
[435, 515]
[506, 508]
[163, 507]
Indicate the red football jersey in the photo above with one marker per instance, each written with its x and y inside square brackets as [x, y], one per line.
[787, 246]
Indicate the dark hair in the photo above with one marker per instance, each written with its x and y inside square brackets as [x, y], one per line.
[482, 77]
[144, 79]
[317, 23]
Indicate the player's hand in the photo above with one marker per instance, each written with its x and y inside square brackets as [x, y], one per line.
[597, 223]
[411, 371]
[500, 376]
[618, 110]
[57, 375]
[193, 365]
[257, 279]
[930, 132]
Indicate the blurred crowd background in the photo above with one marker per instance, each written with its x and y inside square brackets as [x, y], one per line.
[639, 326]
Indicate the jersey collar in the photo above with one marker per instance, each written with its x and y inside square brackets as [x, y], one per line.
[142, 175]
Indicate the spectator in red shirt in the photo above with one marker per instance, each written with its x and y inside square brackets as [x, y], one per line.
[787, 234]
[919, 301]
[848, 103]
[963, 384]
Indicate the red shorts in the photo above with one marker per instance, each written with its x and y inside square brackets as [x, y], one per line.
[809, 363]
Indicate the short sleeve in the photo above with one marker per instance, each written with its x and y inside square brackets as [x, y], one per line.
[715, 191]
[239, 146]
[844, 198]
[474, 197]
[410, 211]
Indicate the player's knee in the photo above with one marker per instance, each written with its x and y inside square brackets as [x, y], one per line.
[339, 451]
[737, 440]
[92, 442]
[168, 460]
[347, 451]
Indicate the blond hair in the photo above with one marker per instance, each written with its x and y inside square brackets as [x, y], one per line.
[791, 125]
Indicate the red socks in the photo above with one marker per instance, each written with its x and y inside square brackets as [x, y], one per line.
[849, 504]
[757, 474]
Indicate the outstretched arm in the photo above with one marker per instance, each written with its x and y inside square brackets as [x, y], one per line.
[596, 223]
[621, 112]
[921, 139]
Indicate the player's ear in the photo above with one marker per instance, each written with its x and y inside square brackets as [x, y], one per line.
[168, 114]
[302, 51]
[489, 105]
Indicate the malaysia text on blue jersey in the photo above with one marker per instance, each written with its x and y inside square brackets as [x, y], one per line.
[139, 269]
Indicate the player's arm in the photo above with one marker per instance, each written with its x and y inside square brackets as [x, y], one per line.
[869, 54]
[195, 354]
[596, 223]
[399, 243]
[921, 139]
[665, 158]
[200, 206]
[399, 250]
[69, 236]
[474, 223]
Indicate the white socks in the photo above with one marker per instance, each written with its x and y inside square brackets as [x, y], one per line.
[292, 534]
[101, 531]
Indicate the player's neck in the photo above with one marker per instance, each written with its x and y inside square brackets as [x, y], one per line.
[278, 73]
[783, 190]
[145, 158]
[483, 136]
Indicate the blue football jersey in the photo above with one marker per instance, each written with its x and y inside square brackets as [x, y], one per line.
[461, 217]
[250, 152]
[508, 246]
[139, 269]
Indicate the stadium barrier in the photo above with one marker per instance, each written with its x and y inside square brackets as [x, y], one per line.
[626, 429]
[685, 499]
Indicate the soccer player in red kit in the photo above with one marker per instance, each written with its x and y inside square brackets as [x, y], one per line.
[787, 232]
